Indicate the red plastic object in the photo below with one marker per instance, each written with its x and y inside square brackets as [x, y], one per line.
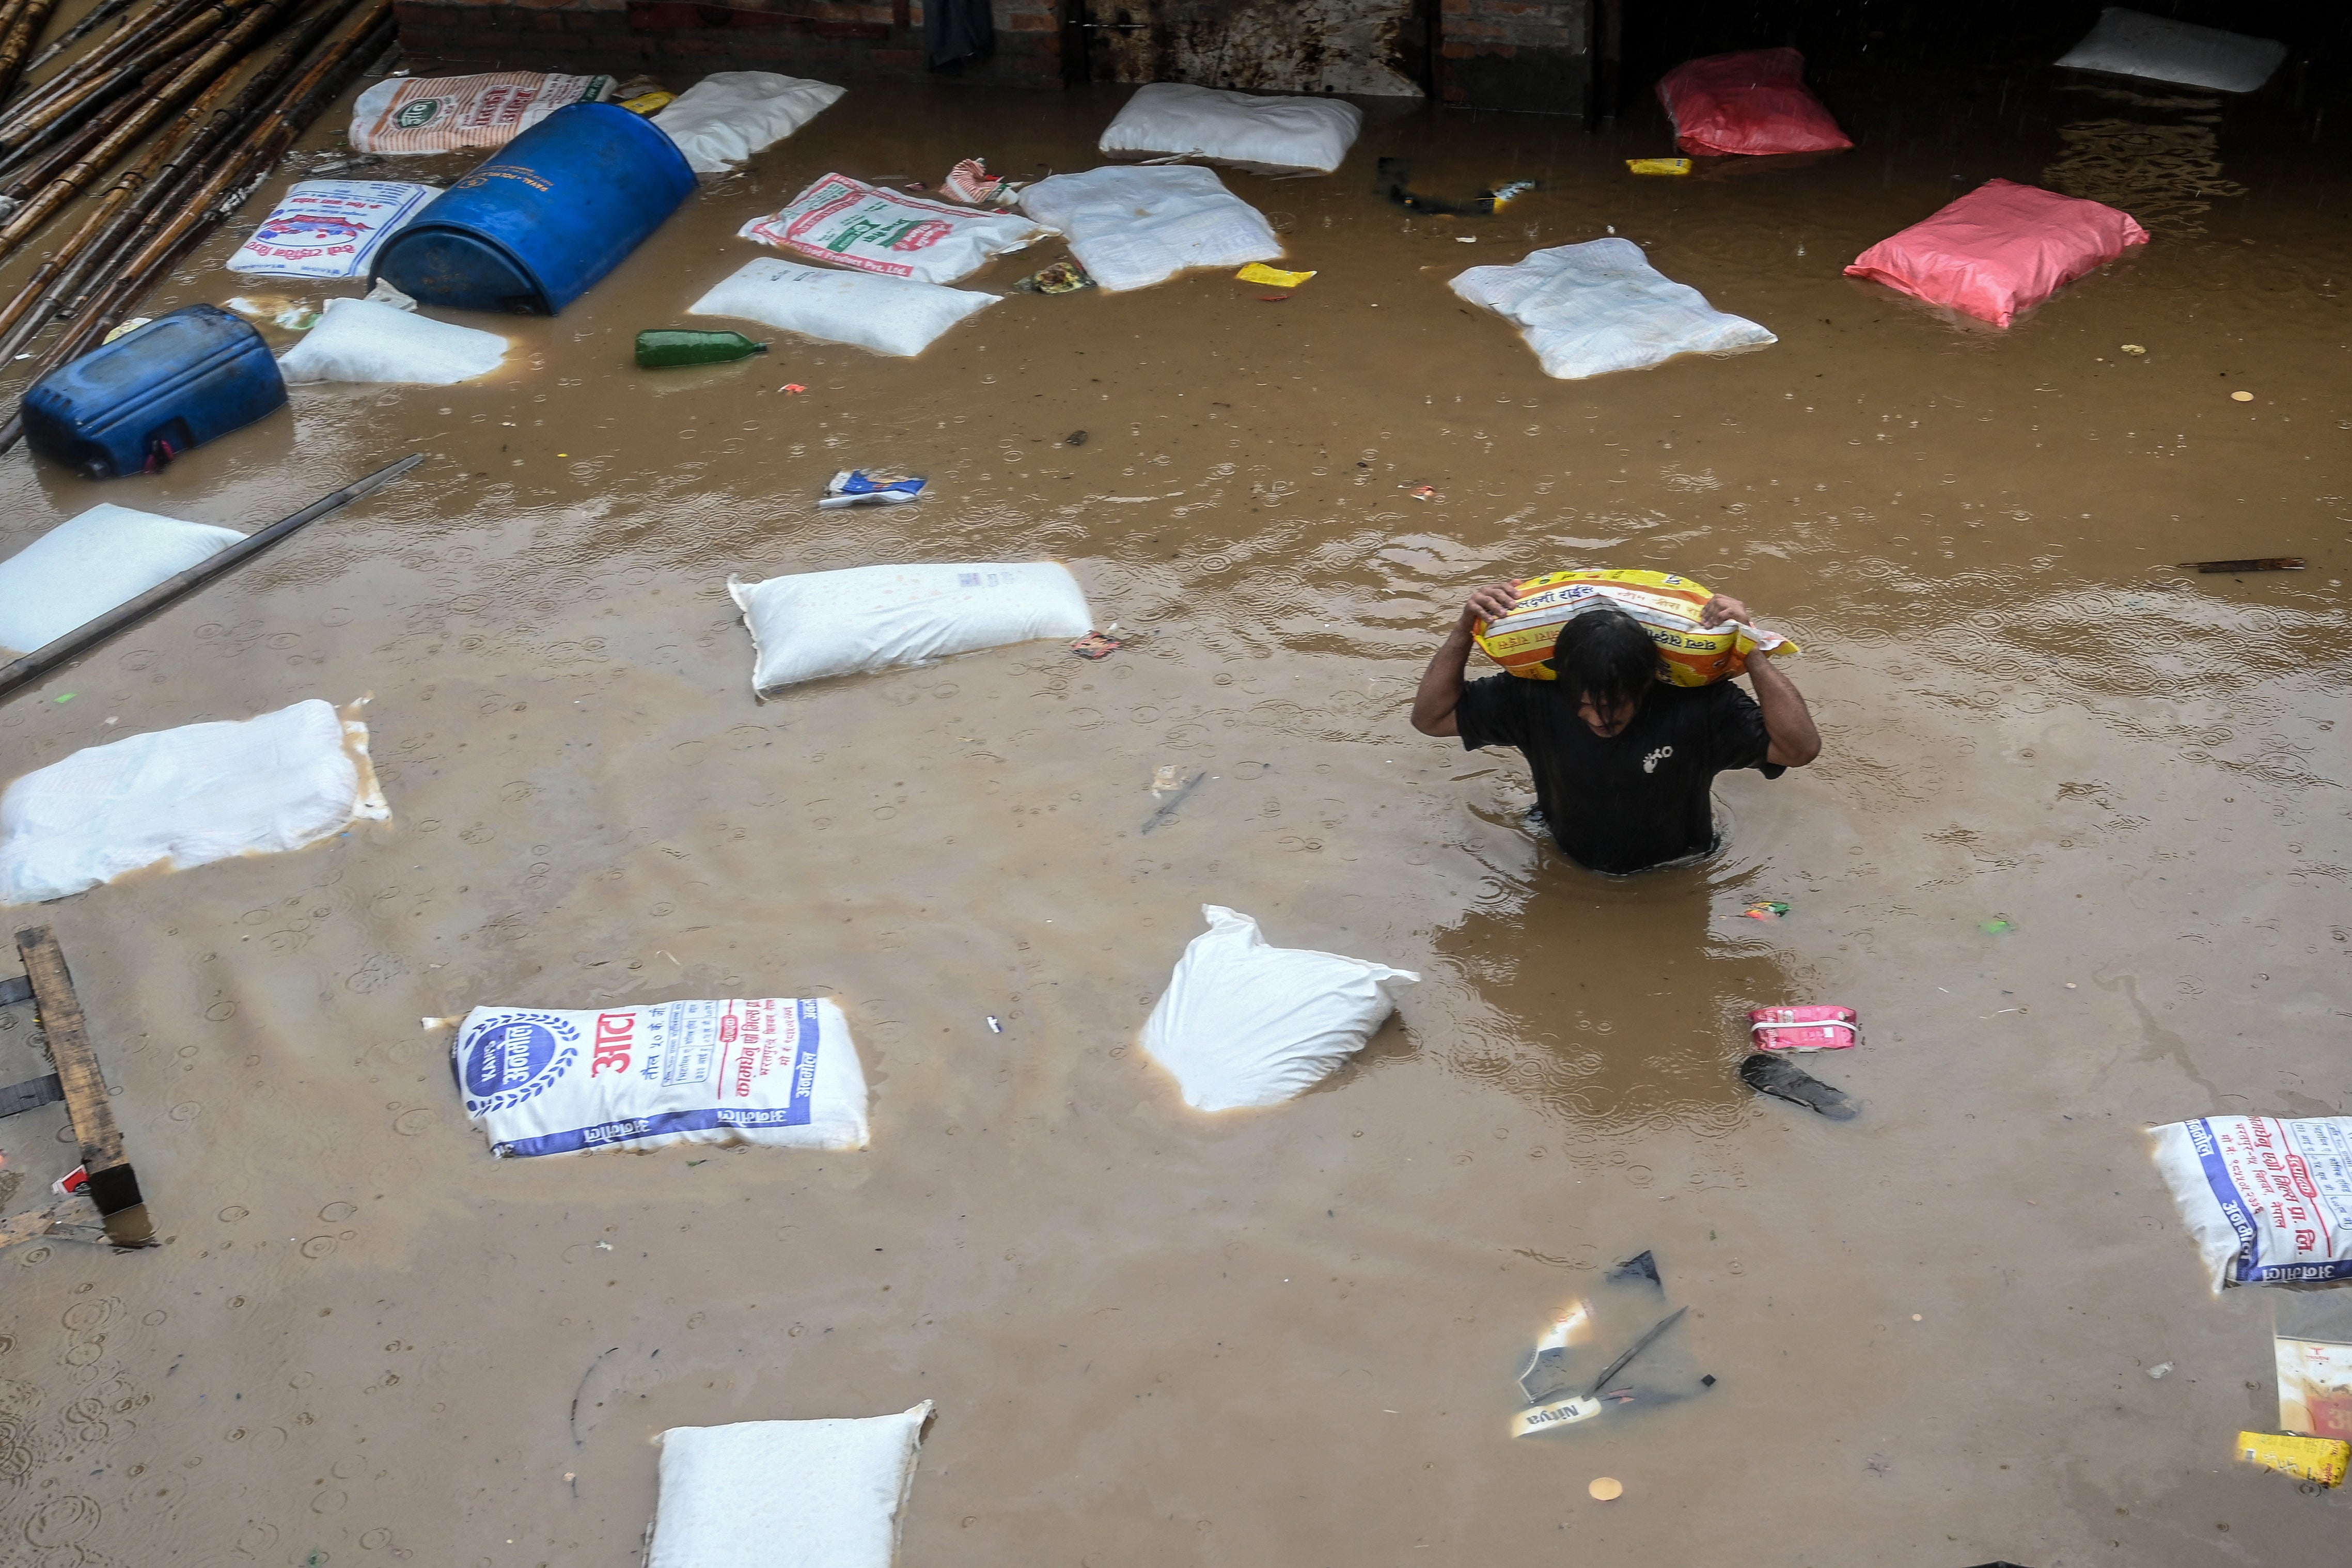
[2001, 248]
[1806, 1028]
[1755, 102]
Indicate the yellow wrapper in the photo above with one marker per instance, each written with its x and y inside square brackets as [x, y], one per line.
[1668, 606]
[2320, 1459]
[1659, 165]
[1259, 272]
[649, 102]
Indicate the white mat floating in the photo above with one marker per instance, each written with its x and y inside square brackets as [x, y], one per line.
[1591, 308]
[184, 798]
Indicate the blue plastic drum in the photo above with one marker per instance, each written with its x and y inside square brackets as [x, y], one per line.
[551, 212]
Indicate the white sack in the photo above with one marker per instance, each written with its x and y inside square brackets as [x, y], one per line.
[1131, 227]
[1166, 117]
[888, 315]
[786, 1494]
[443, 115]
[728, 115]
[1590, 309]
[330, 228]
[184, 798]
[90, 563]
[1244, 1024]
[869, 228]
[362, 339]
[816, 624]
[2267, 1201]
[777, 1070]
[2132, 43]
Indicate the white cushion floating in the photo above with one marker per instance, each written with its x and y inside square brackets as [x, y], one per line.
[888, 315]
[728, 115]
[1590, 309]
[1244, 1024]
[2133, 43]
[1131, 228]
[1166, 116]
[817, 624]
[91, 562]
[184, 798]
[786, 1494]
[364, 341]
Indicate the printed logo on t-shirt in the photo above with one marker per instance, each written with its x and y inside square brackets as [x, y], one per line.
[1650, 763]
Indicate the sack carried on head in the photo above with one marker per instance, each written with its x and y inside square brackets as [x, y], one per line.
[1668, 608]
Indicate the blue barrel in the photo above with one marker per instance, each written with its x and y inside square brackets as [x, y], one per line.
[135, 404]
[553, 211]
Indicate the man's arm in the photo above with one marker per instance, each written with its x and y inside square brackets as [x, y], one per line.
[1787, 720]
[1441, 683]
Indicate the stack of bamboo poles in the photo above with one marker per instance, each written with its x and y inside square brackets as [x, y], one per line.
[201, 97]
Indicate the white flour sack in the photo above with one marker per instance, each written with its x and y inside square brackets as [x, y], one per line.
[364, 341]
[330, 228]
[888, 315]
[786, 1494]
[778, 1070]
[90, 563]
[1235, 127]
[849, 223]
[443, 115]
[184, 798]
[2268, 1201]
[1131, 228]
[816, 624]
[1244, 1024]
[728, 115]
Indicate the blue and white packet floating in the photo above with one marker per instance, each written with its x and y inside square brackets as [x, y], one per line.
[777, 1070]
[2268, 1200]
[855, 487]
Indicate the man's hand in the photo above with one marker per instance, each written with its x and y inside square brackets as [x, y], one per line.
[1723, 607]
[1491, 603]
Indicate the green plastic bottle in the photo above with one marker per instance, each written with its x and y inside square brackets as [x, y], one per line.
[659, 348]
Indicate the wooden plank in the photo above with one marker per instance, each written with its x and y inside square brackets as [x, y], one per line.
[113, 1185]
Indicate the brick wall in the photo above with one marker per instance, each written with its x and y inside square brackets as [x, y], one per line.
[682, 40]
[1526, 55]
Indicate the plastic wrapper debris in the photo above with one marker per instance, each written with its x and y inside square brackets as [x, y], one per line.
[1754, 103]
[2000, 250]
[888, 315]
[184, 798]
[1811, 1028]
[1243, 1024]
[1272, 276]
[1610, 1349]
[2320, 1460]
[728, 115]
[1058, 277]
[328, 228]
[90, 563]
[848, 223]
[813, 625]
[1590, 309]
[2315, 1385]
[1174, 119]
[364, 341]
[446, 114]
[786, 1494]
[970, 183]
[1668, 606]
[2132, 43]
[1133, 227]
[2267, 1200]
[855, 487]
[776, 1070]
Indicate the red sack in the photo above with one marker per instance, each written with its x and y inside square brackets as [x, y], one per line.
[1753, 102]
[2001, 248]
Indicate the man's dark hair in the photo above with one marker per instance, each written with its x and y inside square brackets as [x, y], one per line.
[1607, 656]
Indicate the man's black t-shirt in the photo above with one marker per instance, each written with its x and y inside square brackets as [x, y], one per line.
[1639, 798]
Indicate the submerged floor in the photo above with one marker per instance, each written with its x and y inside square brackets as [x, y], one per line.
[1292, 1336]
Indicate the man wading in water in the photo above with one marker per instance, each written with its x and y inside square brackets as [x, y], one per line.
[1624, 763]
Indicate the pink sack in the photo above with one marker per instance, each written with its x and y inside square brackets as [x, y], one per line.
[2001, 248]
[1754, 104]
[1806, 1028]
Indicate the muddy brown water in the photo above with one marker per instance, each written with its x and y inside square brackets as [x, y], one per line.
[1291, 1336]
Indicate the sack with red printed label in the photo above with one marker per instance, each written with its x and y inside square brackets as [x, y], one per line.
[849, 223]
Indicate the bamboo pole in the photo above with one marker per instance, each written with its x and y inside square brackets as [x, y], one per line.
[30, 123]
[133, 35]
[24, 31]
[98, 14]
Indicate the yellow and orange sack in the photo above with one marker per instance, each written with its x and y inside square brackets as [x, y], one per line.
[1668, 606]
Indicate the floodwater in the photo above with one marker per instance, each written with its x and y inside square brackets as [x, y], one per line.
[1290, 1336]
